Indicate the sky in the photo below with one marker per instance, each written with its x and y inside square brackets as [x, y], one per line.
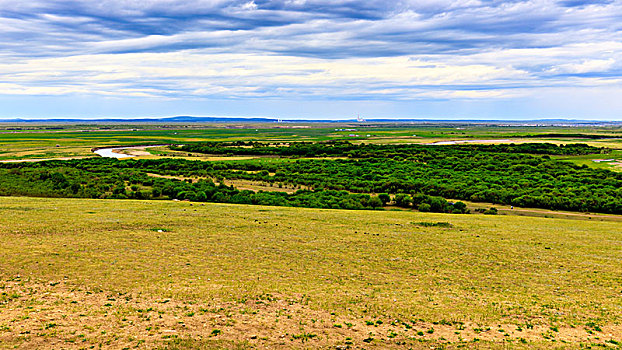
[322, 59]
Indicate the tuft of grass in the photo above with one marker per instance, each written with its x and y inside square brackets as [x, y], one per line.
[433, 224]
[594, 326]
[304, 336]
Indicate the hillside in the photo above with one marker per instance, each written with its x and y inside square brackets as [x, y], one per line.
[77, 273]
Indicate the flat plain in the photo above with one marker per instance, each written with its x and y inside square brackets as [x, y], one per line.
[57, 140]
[80, 273]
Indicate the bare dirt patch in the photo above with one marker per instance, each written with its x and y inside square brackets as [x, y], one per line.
[57, 314]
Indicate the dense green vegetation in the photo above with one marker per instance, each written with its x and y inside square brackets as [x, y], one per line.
[110, 178]
[417, 176]
[505, 174]
[345, 148]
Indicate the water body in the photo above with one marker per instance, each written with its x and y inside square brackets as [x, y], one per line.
[109, 152]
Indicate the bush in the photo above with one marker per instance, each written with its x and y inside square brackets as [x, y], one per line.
[384, 197]
[424, 207]
[491, 211]
[375, 202]
[403, 200]
[460, 206]
[438, 204]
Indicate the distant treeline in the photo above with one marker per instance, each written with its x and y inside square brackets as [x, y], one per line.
[348, 149]
[421, 177]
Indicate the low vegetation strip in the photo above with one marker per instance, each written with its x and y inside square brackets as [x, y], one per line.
[77, 273]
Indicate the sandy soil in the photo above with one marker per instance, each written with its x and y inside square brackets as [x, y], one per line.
[56, 314]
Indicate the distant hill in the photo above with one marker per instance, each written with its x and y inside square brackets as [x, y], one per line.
[191, 119]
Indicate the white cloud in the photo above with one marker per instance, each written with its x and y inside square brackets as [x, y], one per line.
[249, 6]
[587, 66]
[188, 73]
[316, 49]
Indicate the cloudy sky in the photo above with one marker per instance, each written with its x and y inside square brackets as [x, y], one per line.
[443, 59]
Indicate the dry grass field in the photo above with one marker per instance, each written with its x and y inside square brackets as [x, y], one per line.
[78, 273]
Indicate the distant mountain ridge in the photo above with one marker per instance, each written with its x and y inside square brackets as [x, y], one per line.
[177, 119]
[191, 119]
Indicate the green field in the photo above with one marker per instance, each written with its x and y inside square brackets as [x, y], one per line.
[589, 160]
[31, 141]
[77, 273]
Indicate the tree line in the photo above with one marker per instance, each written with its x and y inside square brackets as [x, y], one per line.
[428, 178]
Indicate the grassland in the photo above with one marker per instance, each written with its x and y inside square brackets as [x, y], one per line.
[592, 160]
[78, 273]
